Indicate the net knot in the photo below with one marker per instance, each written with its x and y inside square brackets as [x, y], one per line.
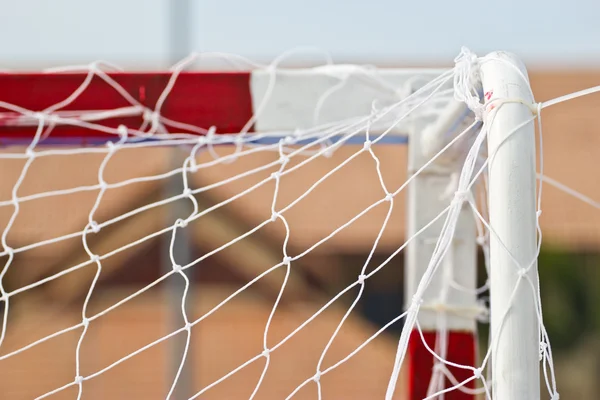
[460, 196]
[40, 116]
[240, 140]
[522, 272]
[8, 249]
[111, 146]
[287, 260]
[538, 213]
[30, 153]
[480, 240]
[53, 119]
[78, 380]
[93, 224]
[317, 377]
[153, 117]
[288, 140]
[276, 175]
[95, 258]
[266, 353]
[181, 223]
[201, 140]
[95, 67]
[187, 192]
[123, 132]
[188, 326]
[177, 268]
[389, 197]
[85, 322]
[274, 216]
[543, 348]
[149, 116]
[193, 167]
[477, 373]
[367, 145]
[361, 279]
[416, 301]
[283, 160]
[439, 367]
[555, 396]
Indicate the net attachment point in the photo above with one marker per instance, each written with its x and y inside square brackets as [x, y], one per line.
[177, 268]
[30, 153]
[284, 160]
[317, 377]
[361, 279]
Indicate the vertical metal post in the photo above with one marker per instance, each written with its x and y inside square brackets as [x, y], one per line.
[179, 47]
[180, 29]
[512, 197]
[447, 328]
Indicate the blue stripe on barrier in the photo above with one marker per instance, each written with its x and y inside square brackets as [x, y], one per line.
[266, 140]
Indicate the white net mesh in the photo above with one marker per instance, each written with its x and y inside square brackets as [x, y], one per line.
[76, 217]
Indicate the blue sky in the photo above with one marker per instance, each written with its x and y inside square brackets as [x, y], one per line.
[135, 33]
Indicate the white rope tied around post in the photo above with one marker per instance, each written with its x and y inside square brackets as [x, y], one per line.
[467, 82]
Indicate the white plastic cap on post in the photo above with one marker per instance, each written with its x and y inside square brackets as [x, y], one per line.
[512, 213]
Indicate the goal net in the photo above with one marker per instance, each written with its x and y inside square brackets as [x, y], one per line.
[177, 234]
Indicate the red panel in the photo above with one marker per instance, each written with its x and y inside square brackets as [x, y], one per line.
[202, 99]
[461, 350]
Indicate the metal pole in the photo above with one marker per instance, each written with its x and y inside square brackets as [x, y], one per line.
[443, 318]
[180, 29]
[179, 47]
[512, 197]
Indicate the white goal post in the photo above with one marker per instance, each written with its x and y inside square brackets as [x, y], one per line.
[513, 221]
[470, 187]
